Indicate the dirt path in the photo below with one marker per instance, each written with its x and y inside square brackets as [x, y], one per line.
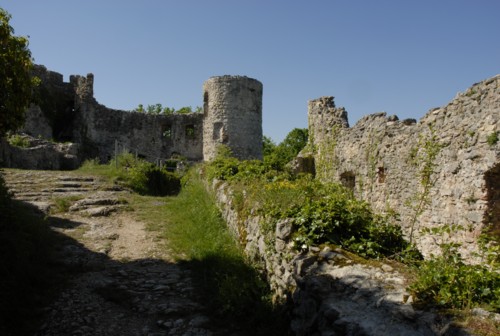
[123, 283]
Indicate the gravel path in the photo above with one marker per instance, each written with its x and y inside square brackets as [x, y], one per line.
[123, 283]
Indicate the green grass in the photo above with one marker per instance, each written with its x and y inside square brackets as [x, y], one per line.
[199, 238]
[62, 204]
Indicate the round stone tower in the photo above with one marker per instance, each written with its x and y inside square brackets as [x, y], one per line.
[232, 108]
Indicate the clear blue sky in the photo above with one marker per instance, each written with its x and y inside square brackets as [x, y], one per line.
[402, 57]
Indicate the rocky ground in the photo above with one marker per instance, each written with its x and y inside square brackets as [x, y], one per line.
[123, 282]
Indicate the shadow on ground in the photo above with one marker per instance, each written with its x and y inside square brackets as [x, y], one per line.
[51, 284]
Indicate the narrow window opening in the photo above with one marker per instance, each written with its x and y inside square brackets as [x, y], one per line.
[348, 180]
[217, 131]
[205, 103]
[492, 214]
[381, 174]
[190, 131]
[167, 132]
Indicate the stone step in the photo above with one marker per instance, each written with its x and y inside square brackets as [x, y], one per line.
[64, 184]
[66, 190]
[76, 179]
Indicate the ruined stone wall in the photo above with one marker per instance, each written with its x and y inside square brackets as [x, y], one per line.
[233, 116]
[51, 115]
[69, 112]
[384, 161]
[40, 154]
[328, 292]
[152, 137]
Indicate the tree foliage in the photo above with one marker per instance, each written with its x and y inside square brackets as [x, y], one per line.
[159, 109]
[16, 81]
[277, 156]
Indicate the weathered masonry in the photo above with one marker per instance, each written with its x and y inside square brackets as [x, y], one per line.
[232, 116]
[68, 112]
[443, 170]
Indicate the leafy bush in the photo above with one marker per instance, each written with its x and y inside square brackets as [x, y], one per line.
[277, 156]
[160, 182]
[321, 213]
[224, 166]
[16, 81]
[141, 176]
[18, 140]
[448, 282]
[145, 177]
[332, 215]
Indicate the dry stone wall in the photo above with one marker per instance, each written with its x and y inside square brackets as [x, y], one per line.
[328, 291]
[440, 171]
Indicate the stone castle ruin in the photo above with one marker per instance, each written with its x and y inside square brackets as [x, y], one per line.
[441, 171]
[68, 112]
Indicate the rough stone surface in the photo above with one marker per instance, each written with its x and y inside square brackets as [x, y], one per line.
[233, 116]
[122, 280]
[40, 154]
[68, 112]
[376, 158]
[330, 294]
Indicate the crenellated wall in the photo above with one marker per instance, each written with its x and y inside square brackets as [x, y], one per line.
[439, 171]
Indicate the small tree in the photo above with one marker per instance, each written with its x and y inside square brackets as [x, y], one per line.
[268, 146]
[185, 110]
[16, 82]
[276, 157]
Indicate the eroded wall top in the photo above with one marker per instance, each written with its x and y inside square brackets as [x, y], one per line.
[440, 171]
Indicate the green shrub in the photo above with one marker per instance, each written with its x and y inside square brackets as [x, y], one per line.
[18, 140]
[492, 139]
[321, 213]
[160, 182]
[331, 214]
[144, 177]
[137, 174]
[446, 281]
[277, 156]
